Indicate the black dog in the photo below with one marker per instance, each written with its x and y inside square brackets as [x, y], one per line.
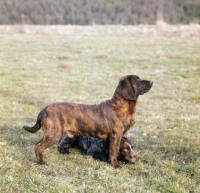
[98, 148]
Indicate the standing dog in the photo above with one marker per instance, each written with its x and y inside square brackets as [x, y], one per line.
[98, 148]
[109, 119]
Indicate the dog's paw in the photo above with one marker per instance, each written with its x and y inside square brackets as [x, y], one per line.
[63, 151]
[42, 163]
[118, 165]
[114, 162]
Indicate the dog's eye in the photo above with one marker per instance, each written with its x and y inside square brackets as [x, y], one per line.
[137, 78]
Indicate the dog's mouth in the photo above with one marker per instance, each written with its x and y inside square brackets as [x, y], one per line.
[144, 87]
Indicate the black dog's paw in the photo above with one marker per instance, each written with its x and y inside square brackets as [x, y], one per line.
[101, 157]
[63, 151]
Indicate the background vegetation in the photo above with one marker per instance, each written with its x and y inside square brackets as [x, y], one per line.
[42, 65]
[87, 12]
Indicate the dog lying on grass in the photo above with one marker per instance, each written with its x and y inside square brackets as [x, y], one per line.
[98, 148]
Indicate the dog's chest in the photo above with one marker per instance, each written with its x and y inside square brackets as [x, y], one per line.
[130, 120]
[127, 120]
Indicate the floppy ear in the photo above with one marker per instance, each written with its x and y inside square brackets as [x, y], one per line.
[127, 90]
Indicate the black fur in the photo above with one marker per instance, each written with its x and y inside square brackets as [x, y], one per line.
[95, 147]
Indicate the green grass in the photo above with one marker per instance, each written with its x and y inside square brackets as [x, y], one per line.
[84, 65]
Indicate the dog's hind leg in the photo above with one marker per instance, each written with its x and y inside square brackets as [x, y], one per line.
[52, 135]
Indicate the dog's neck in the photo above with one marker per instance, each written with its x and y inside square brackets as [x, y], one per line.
[119, 102]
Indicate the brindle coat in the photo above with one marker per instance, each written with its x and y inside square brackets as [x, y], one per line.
[109, 119]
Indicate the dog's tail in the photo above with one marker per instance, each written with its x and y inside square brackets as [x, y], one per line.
[33, 129]
[37, 125]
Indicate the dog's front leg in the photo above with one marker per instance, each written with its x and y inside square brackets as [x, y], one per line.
[114, 149]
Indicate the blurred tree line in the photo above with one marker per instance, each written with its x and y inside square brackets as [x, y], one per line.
[87, 12]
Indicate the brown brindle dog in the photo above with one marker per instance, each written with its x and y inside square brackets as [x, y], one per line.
[109, 119]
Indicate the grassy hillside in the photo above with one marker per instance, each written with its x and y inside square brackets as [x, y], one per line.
[42, 65]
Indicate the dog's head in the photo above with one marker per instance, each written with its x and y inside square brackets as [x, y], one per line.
[126, 151]
[132, 86]
[66, 142]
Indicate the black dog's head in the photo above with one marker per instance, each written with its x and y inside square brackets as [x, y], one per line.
[126, 151]
[66, 143]
[132, 86]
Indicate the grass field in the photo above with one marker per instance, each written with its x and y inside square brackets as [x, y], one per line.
[42, 65]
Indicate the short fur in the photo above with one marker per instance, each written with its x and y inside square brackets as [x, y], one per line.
[98, 148]
[109, 119]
